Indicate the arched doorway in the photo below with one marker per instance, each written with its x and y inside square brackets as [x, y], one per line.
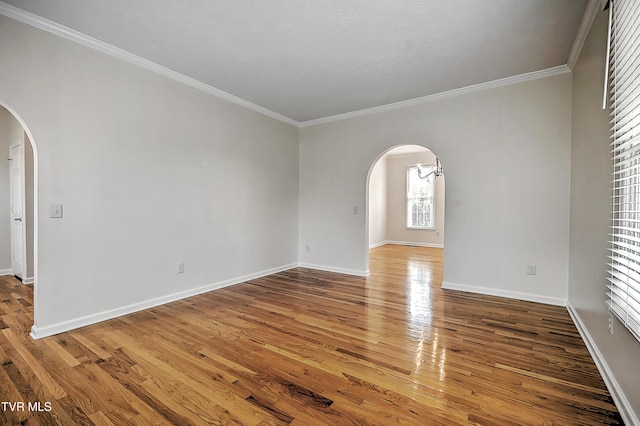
[393, 217]
[16, 139]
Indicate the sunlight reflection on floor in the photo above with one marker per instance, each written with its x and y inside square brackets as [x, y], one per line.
[420, 314]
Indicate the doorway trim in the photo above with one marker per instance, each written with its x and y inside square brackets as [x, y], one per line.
[368, 193]
[22, 272]
[34, 150]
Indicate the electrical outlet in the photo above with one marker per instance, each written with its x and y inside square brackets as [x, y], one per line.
[356, 210]
[180, 268]
[610, 326]
[531, 269]
[307, 247]
[55, 211]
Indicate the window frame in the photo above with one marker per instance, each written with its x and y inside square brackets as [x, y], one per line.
[624, 253]
[432, 196]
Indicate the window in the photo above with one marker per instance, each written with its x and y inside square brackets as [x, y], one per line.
[624, 272]
[420, 211]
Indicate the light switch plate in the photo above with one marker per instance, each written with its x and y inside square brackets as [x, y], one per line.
[55, 211]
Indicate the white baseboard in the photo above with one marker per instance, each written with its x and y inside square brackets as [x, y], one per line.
[622, 403]
[28, 280]
[505, 293]
[405, 243]
[411, 243]
[357, 273]
[50, 330]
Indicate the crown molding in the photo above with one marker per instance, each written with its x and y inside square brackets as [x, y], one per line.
[77, 37]
[535, 75]
[593, 7]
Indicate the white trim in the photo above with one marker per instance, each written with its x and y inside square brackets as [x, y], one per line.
[411, 243]
[535, 75]
[380, 244]
[23, 208]
[4, 272]
[36, 189]
[326, 268]
[622, 403]
[590, 13]
[28, 280]
[40, 332]
[75, 36]
[405, 243]
[505, 293]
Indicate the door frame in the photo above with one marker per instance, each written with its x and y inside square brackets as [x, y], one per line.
[28, 138]
[21, 187]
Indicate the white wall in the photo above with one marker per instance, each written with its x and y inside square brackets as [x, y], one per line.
[5, 216]
[617, 354]
[29, 206]
[10, 133]
[506, 153]
[378, 203]
[397, 231]
[150, 172]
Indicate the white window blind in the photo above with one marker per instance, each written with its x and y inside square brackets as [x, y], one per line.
[624, 272]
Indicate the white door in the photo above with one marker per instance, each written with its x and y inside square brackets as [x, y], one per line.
[17, 207]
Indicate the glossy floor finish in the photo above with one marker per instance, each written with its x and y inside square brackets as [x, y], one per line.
[306, 347]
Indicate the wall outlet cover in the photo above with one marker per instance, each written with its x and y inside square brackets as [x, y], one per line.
[55, 211]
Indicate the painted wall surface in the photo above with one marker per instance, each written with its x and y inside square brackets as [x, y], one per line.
[397, 208]
[5, 214]
[150, 173]
[10, 134]
[590, 215]
[378, 203]
[506, 153]
[29, 197]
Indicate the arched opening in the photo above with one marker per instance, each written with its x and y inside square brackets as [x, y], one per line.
[21, 225]
[405, 200]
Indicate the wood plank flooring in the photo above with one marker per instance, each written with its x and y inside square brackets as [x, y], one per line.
[304, 347]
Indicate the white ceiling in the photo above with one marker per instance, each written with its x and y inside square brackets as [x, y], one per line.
[308, 59]
[406, 149]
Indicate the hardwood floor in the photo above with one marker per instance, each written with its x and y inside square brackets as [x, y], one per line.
[306, 347]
